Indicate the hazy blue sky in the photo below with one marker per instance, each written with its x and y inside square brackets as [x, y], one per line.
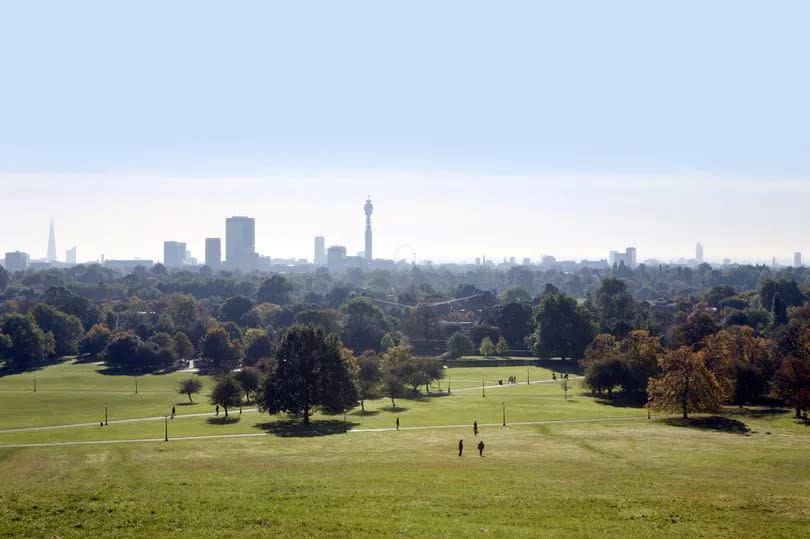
[498, 128]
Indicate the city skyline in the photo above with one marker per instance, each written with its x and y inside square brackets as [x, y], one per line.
[240, 238]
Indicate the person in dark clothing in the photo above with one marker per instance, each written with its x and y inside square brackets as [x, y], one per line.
[217, 409]
[481, 448]
[460, 447]
[173, 412]
[475, 428]
[397, 423]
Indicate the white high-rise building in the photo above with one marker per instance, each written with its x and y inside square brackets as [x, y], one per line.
[797, 259]
[240, 243]
[699, 252]
[320, 251]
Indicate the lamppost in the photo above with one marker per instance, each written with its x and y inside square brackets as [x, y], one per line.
[528, 379]
[105, 414]
[136, 385]
[345, 422]
[35, 384]
[504, 413]
[166, 420]
[483, 390]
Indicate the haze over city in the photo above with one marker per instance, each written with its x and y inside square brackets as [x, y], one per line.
[528, 130]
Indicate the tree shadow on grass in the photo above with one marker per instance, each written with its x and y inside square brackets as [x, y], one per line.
[8, 369]
[230, 420]
[365, 413]
[715, 422]
[397, 409]
[186, 403]
[757, 412]
[619, 401]
[295, 429]
[127, 371]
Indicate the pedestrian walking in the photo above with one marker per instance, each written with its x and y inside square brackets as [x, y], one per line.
[217, 409]
[460, 447]
[173, 412]
[475, 428]
[397, 423]
[481, 448]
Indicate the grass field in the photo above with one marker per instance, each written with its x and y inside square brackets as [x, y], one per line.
[745, 474]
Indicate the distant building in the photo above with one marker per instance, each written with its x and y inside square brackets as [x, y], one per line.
[127, 266]
[336, 258]
[320, 251]
[70, 255]
[240, 243]
[17, 261]
[369, 208]
[174, 254]
[51, 245]
[477, 260]
[594, 264]
[547, 260]
[726, 261]
[628, 257]
[213, 252]
[527, 262]
[699, 253]
[797, 259]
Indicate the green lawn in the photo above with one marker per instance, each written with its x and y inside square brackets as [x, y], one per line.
[744, 474]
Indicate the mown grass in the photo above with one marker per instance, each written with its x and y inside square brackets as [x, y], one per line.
[742, 474]
[616, 479]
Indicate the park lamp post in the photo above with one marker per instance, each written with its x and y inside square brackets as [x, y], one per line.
[345, 422]
[136, 385]
[166, 436]
[35, 384]
[504, 412]
[528, 377]
[483, 390]
[105, 414]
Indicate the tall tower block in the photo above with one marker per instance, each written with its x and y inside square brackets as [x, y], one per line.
[51, 245]
[369, 210]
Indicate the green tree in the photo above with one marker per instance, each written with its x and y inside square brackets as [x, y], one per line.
[514, 320]
[310, 372]
[235, 308]
[487, 348]
[183, 349]
[6, 346]
[393, 387]
[219, 350]
[563, 328]
[96, 340]
[685, 384]
[29, 344]
[640, 353]
[184, 311]
[81, 307]
[4, 278]
[67, 330]
[227, 393]
[257, 346]
[459, 345]
[779, 310]
[276, 290]
[364, 325]
[422, 322]
[248, 378]
[189, 386]
[792, 380]
[616, 307]
[502, 347]
[369, 377]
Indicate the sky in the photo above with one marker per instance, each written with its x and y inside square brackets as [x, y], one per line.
[477, 128]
